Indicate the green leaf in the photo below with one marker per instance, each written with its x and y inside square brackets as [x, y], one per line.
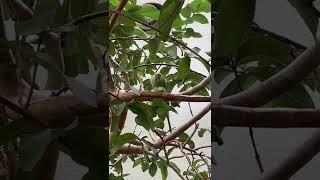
[186, 11]
[161, 107]
[81, 91]
[201, 132]
[153, 169]
[183, 137]
[308, 14]
[33, 147]
[43, 19]
[144, 113]
[137, 162]
[231, 26]
[35, 25]
[163, 168]
[199, 18]
[18, 128]
[88, 147]
[149, 11]
[200, 6]
[297, 97]
[266, 46]
[191, 144]
[121, 140]
[63, 13]
[168, 14]
[172, 51]
[119, 108]
[183, 68]
[154, 45]
[79, 8]
[144, 166]
[191, 33]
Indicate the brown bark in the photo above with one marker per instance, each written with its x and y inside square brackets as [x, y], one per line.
[235, 116]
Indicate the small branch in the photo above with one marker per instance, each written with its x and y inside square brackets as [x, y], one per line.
[158, 144]
[234, 65]
[88, 17]
[184, 127]
[115, 16]
[34, 75]
[205, 82]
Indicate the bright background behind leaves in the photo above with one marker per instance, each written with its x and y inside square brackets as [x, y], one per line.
[178, 119]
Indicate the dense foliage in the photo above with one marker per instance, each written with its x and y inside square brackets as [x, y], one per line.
[137, 60]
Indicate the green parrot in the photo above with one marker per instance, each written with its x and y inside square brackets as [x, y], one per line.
[158, 83]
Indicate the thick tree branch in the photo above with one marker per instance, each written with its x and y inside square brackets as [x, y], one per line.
[149, 96]
[278, 83]
[60, 111]
[22, 11]
[115, 16]
[294, 161]
[226, 115]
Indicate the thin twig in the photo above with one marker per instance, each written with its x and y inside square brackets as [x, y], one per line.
[234, 65]
[34, 75]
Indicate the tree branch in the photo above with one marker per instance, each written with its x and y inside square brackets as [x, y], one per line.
[184, 127]
[198, 87]
[278, 83]
[22, 11]
[149, 96]
[226, 115]
[294, 161]
[60, 111]
[115, 16]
